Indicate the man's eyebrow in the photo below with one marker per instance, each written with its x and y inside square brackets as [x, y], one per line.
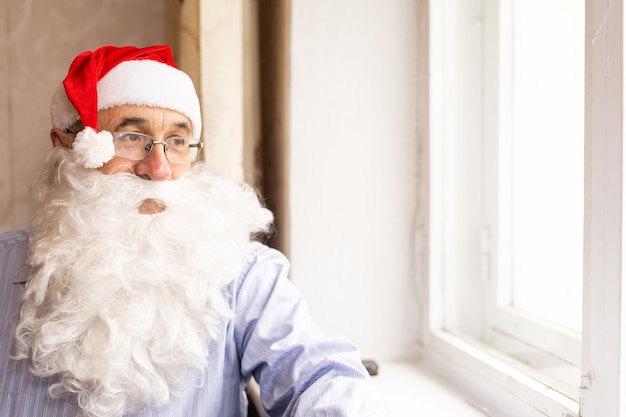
[138, 121]
[132, 121]
[183, 125]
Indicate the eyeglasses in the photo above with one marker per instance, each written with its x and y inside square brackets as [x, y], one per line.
[138, 146]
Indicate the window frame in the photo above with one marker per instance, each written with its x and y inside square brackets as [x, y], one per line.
[603, 382]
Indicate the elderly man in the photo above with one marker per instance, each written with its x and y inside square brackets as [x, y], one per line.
[138, 289]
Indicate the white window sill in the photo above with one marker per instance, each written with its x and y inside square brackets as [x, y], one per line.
[430, 388]
[412, 389]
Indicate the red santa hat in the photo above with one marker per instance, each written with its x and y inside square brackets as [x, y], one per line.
[113, 76]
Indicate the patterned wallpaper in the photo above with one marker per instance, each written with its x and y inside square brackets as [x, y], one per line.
[38, 40]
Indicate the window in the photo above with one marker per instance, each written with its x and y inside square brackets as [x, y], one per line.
[534, 246]
[525, 186]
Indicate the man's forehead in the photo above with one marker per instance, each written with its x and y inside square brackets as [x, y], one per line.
[140, 116]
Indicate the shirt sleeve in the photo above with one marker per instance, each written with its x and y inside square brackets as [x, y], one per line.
[300, 370]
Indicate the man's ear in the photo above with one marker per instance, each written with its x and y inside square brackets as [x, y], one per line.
[61, 138]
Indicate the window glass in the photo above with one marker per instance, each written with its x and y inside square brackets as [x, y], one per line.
[547, 159]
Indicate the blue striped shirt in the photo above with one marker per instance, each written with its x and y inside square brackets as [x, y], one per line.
[272, 337]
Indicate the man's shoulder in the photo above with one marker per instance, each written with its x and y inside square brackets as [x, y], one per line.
[258, 252]
[262, 261]
[12, 238]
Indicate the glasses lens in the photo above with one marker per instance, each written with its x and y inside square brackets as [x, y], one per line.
[131, 145]
[182, 150]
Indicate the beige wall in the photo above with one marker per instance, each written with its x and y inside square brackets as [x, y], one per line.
[38, 40]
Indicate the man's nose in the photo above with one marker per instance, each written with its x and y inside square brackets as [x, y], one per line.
[156, 166]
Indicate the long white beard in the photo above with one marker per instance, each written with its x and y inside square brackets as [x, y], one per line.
[123, 305]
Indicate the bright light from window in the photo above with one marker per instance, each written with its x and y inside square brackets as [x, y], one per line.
[548, 159]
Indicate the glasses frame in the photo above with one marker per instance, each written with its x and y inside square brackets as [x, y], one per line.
[199, 145]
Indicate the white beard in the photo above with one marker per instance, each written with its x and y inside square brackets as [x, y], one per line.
[123, 306]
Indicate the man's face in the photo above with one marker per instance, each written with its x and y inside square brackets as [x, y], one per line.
[159, 123]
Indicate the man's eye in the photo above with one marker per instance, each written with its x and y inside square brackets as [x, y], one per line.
[132, 137]
[176, 142]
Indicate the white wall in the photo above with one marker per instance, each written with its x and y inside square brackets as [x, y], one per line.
[353, 168]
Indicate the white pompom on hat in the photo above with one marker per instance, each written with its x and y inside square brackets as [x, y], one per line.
[113, 76]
